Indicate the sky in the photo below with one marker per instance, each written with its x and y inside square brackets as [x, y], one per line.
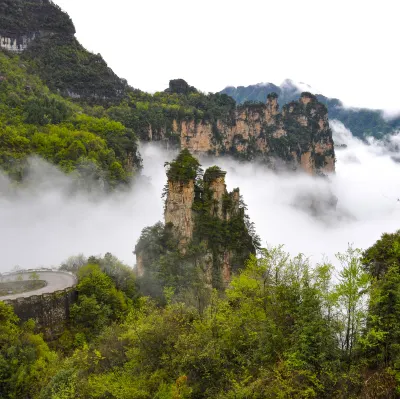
[43, 224]
[343, 49]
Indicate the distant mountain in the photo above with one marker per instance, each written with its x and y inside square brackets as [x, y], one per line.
[361, 121]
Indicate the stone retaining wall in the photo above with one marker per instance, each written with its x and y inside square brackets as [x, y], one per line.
[50, 311]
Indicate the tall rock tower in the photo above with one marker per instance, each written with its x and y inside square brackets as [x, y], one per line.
[205, 225]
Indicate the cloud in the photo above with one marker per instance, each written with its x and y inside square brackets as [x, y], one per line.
[48, 219]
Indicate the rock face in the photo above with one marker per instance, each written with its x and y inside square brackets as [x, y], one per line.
[299, 136]
[178, 210]
[182, 214]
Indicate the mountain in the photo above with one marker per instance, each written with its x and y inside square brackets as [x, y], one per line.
[361, 121]
[54, 85]
[41, 32]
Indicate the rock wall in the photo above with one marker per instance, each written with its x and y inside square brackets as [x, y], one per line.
[49, 311]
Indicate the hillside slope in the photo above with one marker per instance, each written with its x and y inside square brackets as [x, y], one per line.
[34, 121]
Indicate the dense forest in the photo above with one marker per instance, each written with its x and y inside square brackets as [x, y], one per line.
[282, 329]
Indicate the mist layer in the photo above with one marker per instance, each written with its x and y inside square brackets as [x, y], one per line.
[46, 221]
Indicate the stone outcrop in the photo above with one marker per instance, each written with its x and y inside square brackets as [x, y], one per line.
[49, 311]
[179, 86]
[207, 223]
[299, 136]
[181, 214]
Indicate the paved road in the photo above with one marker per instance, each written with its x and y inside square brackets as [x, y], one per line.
[56, 281]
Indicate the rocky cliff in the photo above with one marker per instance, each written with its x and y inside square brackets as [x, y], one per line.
[362, 122]
[205, 226]
[178, 210]
[298, 136]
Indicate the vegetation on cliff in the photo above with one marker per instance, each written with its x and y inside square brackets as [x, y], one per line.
[184, 168]
[34, 121]
[281, 329]
[59, 59]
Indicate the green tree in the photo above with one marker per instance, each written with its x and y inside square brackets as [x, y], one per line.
[381, 341]
[351, 296]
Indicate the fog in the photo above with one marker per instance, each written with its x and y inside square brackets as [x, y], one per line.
[43, 223]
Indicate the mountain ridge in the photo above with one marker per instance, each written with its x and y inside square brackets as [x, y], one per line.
[362, 122]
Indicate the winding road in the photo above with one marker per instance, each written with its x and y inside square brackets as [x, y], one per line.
[56, 281]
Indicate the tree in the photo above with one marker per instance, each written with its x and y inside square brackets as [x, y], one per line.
[382, 339]
[351, 296]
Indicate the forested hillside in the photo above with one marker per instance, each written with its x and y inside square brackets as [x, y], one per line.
[34, 121]
[362, 122]
[282, 329]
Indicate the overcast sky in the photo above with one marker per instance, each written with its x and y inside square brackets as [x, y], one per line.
[344, 48]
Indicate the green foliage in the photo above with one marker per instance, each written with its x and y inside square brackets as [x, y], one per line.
[352, 287]
[275, 333]
[184, 168]
[282, 329]
[35, 122]
[25, 359]
[381, 342]
[383, 254]
[99, 301]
